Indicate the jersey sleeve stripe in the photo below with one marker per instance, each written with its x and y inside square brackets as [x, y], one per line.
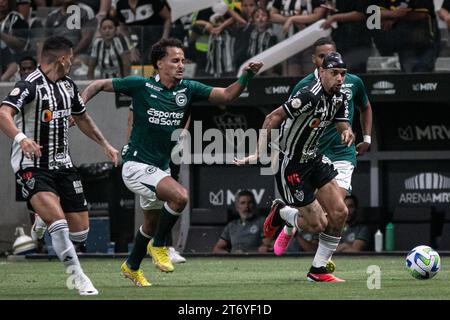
[285, 107]
[341, 119]
[80, 112]
[11, 105]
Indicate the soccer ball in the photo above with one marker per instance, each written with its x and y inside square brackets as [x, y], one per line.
[423, 262]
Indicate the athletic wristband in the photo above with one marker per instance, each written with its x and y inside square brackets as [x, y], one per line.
[367, 139]
[250, 74]
[243, 79]
[19, 137]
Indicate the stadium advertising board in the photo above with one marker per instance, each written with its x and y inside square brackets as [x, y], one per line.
[380, 87]
[417, 184]
[216, 186]
[412, 126]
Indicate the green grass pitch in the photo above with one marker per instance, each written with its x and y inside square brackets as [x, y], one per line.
[267, 278]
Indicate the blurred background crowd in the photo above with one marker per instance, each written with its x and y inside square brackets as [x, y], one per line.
[113, 37]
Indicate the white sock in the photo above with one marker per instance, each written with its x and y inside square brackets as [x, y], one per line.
[80, 236]
[327, 246]
[59, 231]
[289, 215]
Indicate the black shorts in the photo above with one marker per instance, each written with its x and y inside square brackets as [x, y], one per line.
[65, 183]
[297, 182]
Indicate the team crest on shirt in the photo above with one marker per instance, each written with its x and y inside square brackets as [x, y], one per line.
[348, 93]
[181, 99]
[254, 229]
[69, 88]
[14, 92]
[299, 195]
[151, 170]
[296, 103]
[337, 101]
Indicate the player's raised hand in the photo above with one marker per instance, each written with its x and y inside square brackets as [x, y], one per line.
[112, 153]
[30, 148]
[254, 66]
[347, 137]
[251, 159]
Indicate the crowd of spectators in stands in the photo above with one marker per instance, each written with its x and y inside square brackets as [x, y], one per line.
[112, 35]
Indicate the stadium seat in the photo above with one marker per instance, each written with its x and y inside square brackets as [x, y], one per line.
[412, 227]
[201, 239]
[383, 64]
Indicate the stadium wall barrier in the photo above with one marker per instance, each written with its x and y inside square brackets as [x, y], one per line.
[408, 164]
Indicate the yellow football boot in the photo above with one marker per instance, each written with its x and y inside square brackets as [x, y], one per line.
[137, 277]
[160, 257]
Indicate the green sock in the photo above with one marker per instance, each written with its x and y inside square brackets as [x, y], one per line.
[139, 250]
[166, 222]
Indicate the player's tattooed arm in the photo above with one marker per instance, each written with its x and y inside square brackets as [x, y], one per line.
[90, 129]
[95, 87]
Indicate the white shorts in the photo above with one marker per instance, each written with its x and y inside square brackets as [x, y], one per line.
[142, 179]
[344, 177]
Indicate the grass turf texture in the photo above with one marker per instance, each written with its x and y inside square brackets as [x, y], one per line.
[225, 278]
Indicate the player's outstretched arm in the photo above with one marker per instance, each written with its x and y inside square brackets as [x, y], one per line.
[272, 121]
[233, 91]
[95, 87]
[90, 129]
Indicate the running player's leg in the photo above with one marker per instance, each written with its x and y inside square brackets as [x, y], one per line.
[175, 199]
[41, 189]
[144, 234]
[158, 187]
[131, 267]
[330, 200]
[345, 170]
[308, 219]
[47, 206]
[74, 205]
[78, 229]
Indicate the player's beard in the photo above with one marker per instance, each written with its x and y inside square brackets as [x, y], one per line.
[67, 72]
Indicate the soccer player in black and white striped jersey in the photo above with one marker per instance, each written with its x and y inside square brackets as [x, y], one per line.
[35, 114]
[305, 177]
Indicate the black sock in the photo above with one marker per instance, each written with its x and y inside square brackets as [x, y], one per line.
[166, 222]
[139, 251]
[319, 270]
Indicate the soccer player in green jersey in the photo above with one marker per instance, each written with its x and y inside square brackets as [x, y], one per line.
[343, 157]
[160, 104]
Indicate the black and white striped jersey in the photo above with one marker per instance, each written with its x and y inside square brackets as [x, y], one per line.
[108, 57]
[43, 108]
[310, 111]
